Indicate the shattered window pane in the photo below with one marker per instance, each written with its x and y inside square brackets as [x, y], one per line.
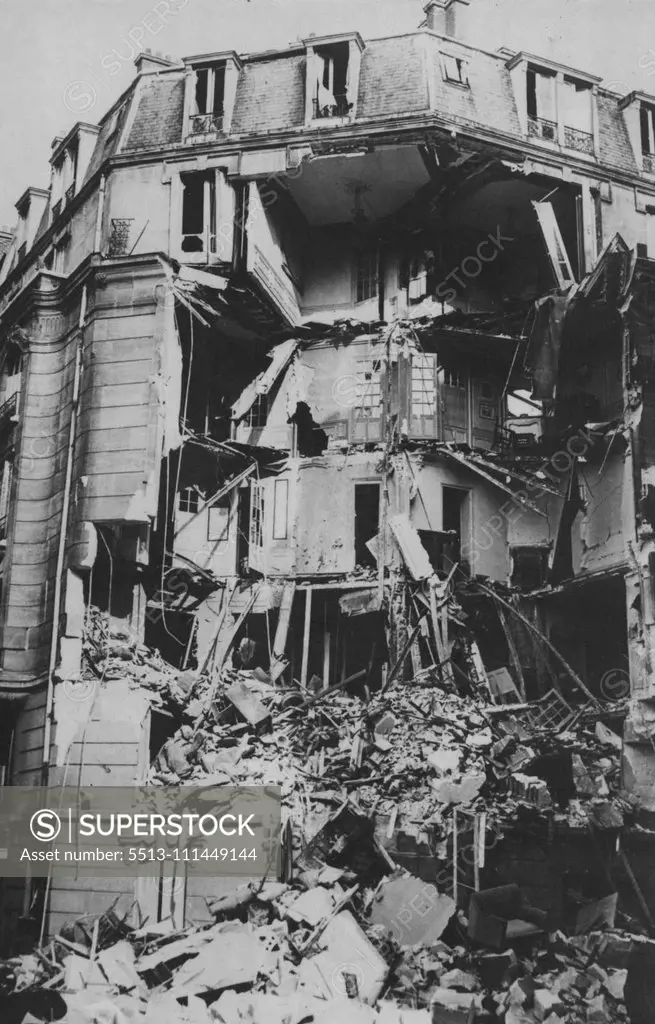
[369, 396]
[257, 516]
[455, 69]
[424, 391]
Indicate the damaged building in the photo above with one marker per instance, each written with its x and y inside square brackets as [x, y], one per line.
[329, 369]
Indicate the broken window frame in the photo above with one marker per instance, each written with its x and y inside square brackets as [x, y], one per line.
[455, 70]
[257, 511]
[210, 120]
[321, 70]
[577, 136]
[423, 395]
[208, 213]
[559, 258]
[540, 126]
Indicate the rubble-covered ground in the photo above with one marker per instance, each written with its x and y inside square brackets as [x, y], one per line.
[350, 935]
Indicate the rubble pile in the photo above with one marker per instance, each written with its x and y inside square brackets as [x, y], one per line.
[331, 952]
[352, 933]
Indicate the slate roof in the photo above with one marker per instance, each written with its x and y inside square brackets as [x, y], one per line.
[394, 80]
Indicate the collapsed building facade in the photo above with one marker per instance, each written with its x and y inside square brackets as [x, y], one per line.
[268, 344]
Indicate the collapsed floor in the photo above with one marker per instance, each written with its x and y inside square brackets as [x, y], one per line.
[447, 856]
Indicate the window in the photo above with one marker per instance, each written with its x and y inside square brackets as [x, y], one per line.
[647, 124]
[189, 499]
[369, 393]
[576, 113]
[328, 68]
[555, 244]
[5, 495]
[199, 213]
[424, 390]
[367, 521]
[208, 100]
[418, 281]
[218, 522]
[424, 395]
[257, 516]
[366, 271]
[60, 254]
[455, 69]
[257, 413]
[453, 376]
[280, 509]
[542, 109]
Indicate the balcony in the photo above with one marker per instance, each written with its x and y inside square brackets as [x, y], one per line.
[649, 162]
[205, 124]
[542, 128]
[56, 209]
[69, 193]
[9, 412]
[340, 108]
[581, 141]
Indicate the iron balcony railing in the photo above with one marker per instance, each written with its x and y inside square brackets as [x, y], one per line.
[649, 162]
[340, 108]
[581, 141]
[70, 192]
[205, 124]
[542, 128]
[9, 410]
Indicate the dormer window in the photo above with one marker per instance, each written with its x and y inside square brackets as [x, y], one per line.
[332, 76]
[647, 126]
[209, 100]
[454, 69]
[210, 91]
[330, 88]
[542, 105]
[576, 100]
[559, 103]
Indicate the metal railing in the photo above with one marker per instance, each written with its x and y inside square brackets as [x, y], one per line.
[341, 108]
[69, 193]
[205, 124]
[581, 141]
[9, 409]
[542, 128]
[56, 209]
[649, 162]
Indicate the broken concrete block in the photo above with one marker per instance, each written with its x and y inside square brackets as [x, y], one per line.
[247, 703]
[463, 792]
[461, 980]
[445, 760]
[449, 1006]
[411, 910]
[598, 1011]
[546, 1003]
[312, 906]
[615, 984]
[348, 964]
[233, 957]
[608, 736]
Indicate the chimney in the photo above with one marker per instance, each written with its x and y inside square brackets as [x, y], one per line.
[149, 61]
[446, 17]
